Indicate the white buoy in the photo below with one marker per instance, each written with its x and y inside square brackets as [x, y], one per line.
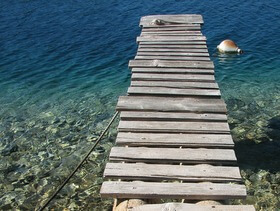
[228, 46]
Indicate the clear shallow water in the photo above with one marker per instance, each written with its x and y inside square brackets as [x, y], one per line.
[64, 64]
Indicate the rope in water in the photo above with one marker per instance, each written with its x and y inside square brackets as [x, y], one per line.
[79, 165]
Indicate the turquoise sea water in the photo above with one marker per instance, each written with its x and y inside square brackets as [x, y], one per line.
[63, 65]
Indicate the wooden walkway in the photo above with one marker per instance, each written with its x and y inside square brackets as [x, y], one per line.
[174, 141]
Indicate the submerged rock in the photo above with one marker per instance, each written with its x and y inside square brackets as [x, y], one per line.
[9, 149]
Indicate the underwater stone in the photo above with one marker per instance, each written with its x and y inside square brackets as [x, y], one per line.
[250, 136]
[254, 178]
[9, 149]
[10, 187]
[235, 104]
[56, 120]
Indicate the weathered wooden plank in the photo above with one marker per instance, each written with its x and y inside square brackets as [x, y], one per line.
[175, 140]
[155, 172]
[164, 91]
[198, 105]
[159, 38]
[192, 207]
[173, 155]
[174, 84]
[177, 58]
[190, 42]
[186, 50]
[154, 53]
[172, 116]
[173, 25]
[172, 70]
[171, 33]
[178, 64]
[173, 46]
[191, 191]
[174, 127]
[171, 19]
[172, 77]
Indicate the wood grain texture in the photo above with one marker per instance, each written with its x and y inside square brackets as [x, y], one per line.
[171, 70]
[175, 84]
[183, 42]
[172, 77]
[176, 58]
[167, 91]
[173, 155]
[171, 19]
[173, 46]
[194, 191]
[192, 207]
[153, 53]
[162, 38]
[143, 49]
[175, 140]
[178, 64]
[171, 33]
[168, 104]
[172, 27]
[173, 124]
[158, 172]
[172, 116]
[174, 127]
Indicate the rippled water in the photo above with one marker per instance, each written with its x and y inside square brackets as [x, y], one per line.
[63, 65]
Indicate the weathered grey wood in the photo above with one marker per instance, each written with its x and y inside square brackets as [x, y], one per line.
[173, 155]
[190, 42]
[171, 33]
[194, 191]
[172, 116]
[164, 91]
[174, 127]
[172, 77]
[177, 58]
[198, 105]
[173, 27]
[155, 172]
[159, 38]
[171, 19]
[192, 207]
[171, 70]
[191, 54]
[178, 64]
[186, 50]
[173, 84]
[173, 103]
[173, 46]
[175, 140]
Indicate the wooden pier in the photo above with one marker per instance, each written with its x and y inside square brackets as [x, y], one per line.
[173, 138]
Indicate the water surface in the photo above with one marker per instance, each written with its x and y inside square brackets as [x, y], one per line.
[64, 63]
